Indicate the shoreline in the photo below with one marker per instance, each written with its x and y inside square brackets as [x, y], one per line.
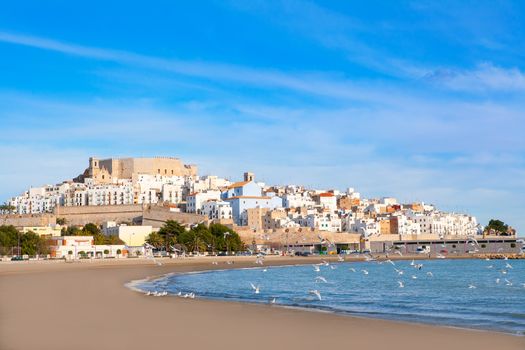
[74, 300]
[131, 285]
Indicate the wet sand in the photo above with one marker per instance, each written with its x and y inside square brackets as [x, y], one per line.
[85, 305]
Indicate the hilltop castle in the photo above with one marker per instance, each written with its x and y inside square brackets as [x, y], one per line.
[105, 170]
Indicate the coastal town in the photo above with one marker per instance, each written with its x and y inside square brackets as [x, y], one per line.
[133, 198]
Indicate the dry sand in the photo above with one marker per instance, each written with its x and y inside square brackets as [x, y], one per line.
[86, 306]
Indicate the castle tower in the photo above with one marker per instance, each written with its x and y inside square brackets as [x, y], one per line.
[94, 166]
[249, 176]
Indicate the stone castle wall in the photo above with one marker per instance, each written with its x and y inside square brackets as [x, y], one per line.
[99, 214]
[125, 168]
[156, 216]
[20, 221]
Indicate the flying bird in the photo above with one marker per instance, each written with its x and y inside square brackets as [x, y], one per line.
[255, 288]
[320, 279]
[401, 285]
[316, 293]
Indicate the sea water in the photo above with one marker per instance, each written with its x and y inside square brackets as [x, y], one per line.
[476, 294]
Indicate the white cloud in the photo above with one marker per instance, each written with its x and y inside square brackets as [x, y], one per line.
[485, 77]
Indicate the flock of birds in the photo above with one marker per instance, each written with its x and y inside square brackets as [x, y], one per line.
[321, 279]
[416, 266]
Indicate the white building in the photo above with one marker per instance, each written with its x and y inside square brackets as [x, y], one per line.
[330, 222]
[328, 200]
[194, 201]
[73, 247]
[217, 209]
[302, 200]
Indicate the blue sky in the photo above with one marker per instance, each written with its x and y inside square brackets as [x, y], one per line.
[422, 100]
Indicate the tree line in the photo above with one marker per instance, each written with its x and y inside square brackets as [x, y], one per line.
[199, 238]
[30, 242]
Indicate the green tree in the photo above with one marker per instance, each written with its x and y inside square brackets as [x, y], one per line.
[8, 239]
[171, 231]
[498, 226]
[225, 238]
[91, 230]
[198, 239]
[61, 221]
[113, 239]
[71, 231]
[99, 239]
[30, 243]
[155, 240]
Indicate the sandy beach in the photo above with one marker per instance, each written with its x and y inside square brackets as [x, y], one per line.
[85, 305]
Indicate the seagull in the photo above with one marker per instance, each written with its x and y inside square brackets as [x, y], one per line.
[399, 272]
[429, 273]
[418, 266]
[317, 293]
[365, 272]
[333, 267]
[325, 263]
[497, 280]
[259, 260]
[179, 294]
[264, 270]
[317, 268]
[509, 283]
[340, 258]
[508, 266]
[414, 277]
[398, 252]
[390, 262]
[490, 266]
[272, 301]
[401, 285]
[412, 263]
[215, 263]
[369, 258]
[487, 259]
[352, 269]
[471, 286]
[148, 293]
[504, 272]
[320, 279]
[255, 288]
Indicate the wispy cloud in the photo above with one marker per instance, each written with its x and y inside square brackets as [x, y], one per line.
[303, 82]
[485, 77]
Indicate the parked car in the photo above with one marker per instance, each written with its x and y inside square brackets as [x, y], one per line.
[303, 253]
[17, 258]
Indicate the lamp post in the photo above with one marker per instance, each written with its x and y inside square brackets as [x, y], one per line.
[18, 248]
[227, 242]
